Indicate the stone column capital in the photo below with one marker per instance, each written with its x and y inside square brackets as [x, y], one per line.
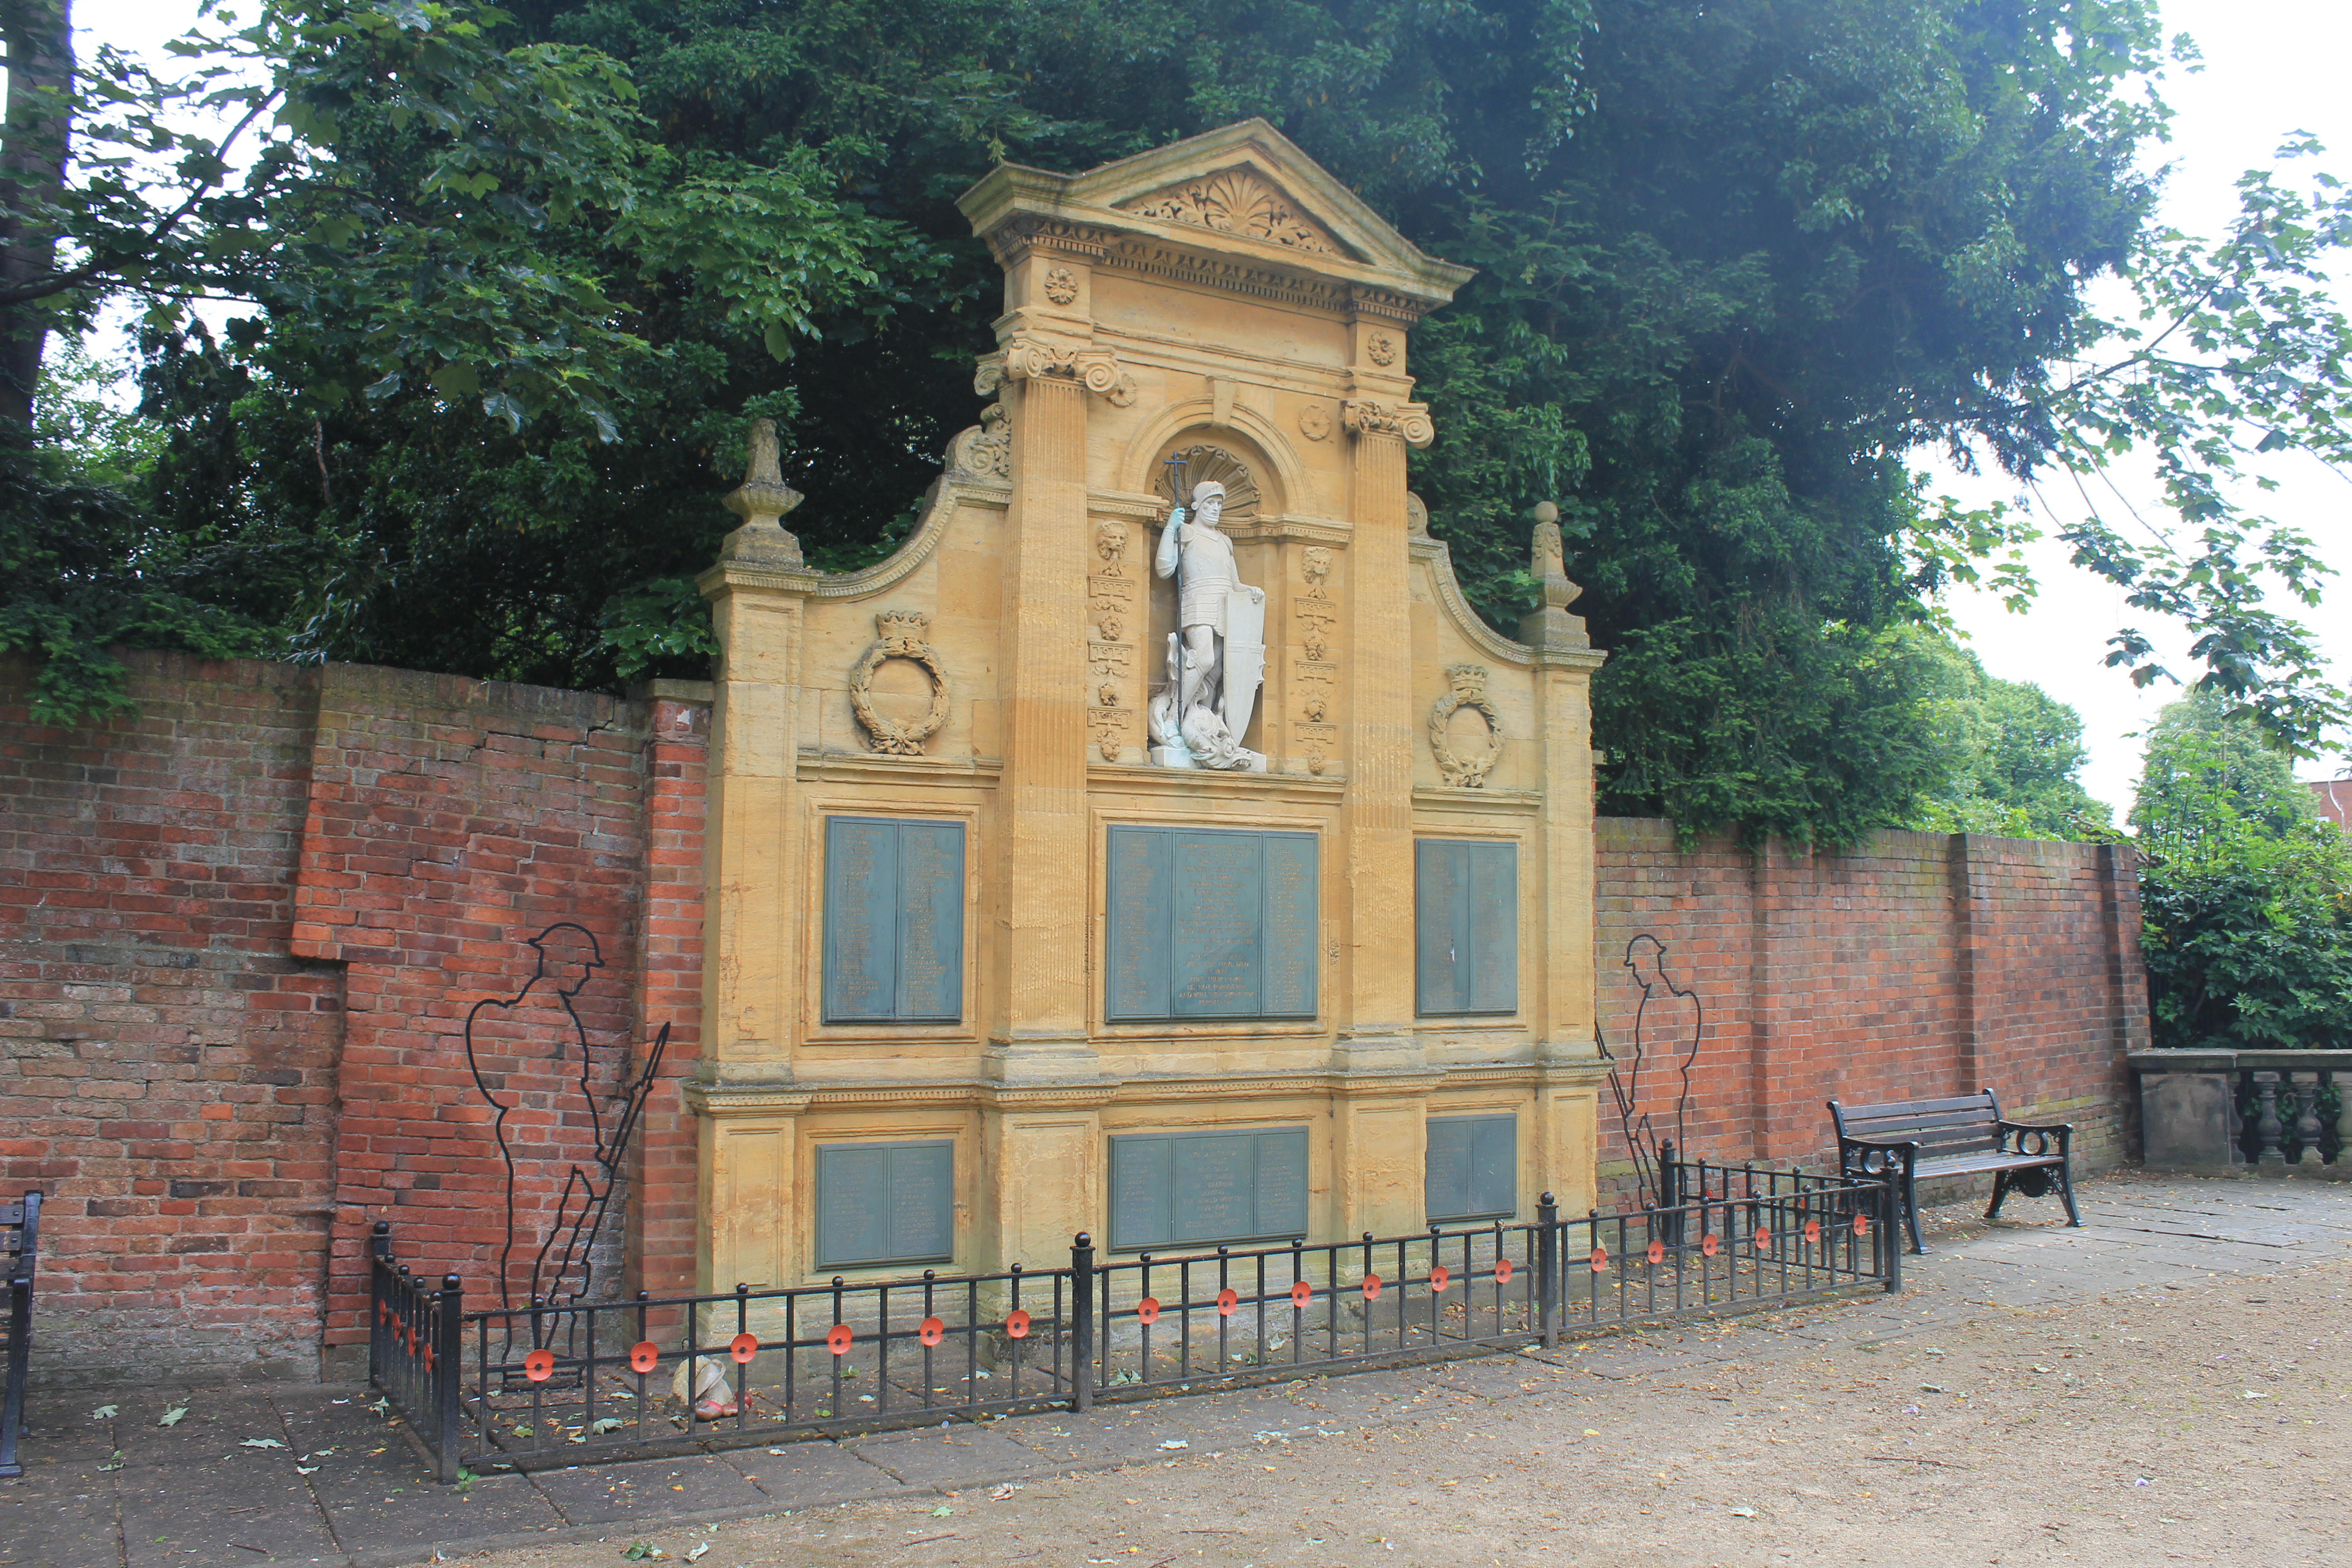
[1408, 422]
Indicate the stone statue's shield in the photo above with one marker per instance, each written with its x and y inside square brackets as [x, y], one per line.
[1245, 654]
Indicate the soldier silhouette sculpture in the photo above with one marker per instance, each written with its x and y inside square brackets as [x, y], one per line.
[566, 957]
[1667, 1024]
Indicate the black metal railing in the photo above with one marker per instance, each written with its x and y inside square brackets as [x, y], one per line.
[556, 1384]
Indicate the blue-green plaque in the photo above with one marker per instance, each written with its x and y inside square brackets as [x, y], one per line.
[1466, 926]
[1473, 1167]
[1185, 1189]
[884, 1203]
[1210, 924]
[893, 921]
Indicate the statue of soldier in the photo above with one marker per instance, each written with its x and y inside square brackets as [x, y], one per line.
[1217, 657]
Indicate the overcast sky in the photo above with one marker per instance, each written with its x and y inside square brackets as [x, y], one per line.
[2270, 67]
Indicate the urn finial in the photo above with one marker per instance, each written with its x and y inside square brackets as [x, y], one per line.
[762, 500]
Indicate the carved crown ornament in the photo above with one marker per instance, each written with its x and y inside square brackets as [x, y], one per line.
[1031, 358]
[1409, 422]
[900, 634]
[1468, 689]
[1237, 201]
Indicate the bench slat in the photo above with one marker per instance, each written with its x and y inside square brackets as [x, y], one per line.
[1927, 1168]
[1981, 1127]
[1980, 1100]
[1926, 1132]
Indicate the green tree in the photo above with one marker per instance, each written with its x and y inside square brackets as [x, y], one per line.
[2017, 749]
[1737, 263]
[2246, 897]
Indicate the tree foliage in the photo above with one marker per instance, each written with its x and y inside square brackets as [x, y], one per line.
[1737, 262]
[2016, 752]
[2246, 896]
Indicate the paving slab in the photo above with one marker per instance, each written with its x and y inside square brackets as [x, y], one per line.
[61, 1516]
[813, 1473]
[648, 1490]
[173, 1517]
[360, 1507]
[951, 1457]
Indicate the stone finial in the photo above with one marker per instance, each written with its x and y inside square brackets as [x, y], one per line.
[762, 500]
[1550, 624]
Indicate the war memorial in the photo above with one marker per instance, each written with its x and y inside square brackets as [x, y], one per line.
[1156, 845]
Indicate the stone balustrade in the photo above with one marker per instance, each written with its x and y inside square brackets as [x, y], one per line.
[2205, 1109]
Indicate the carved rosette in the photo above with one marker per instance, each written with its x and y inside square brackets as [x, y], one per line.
[1409, 422]
[1114, 620]
[1469, 690]
[902, 634]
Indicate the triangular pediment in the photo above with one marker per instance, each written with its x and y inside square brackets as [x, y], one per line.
[1245, 190]
[1238, 200]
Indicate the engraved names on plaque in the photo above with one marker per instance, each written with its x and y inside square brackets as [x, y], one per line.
[1210, 924]
[1466, 926]
[1189, 1188]
[1473, 1169]
[893, 921]
[884, 1203]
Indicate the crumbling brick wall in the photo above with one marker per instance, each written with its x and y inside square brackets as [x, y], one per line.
[243, 932]
[173, 1063]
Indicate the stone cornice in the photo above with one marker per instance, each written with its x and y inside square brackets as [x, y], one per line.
[803, 1096]
[1286, 528]
[1510, 802]
[743, 1099]
[1141, 778]
[874, 765]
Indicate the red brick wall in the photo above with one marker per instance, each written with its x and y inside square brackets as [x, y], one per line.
[172, 1091]
[661, 1218]
[241, 933]
[244, 932]
[1916, 965]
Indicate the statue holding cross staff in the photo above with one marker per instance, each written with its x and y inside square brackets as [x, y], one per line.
[1216, 657]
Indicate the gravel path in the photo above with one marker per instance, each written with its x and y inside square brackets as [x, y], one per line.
[2165, 1384]
[2198, 1418]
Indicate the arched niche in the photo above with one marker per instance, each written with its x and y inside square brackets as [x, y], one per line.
[1252, 492]
[1252, 439]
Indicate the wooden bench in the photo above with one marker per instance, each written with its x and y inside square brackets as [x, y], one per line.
[20, 1236]
[1913, 1140]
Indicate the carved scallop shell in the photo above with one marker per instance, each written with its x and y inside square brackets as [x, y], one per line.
[1206, 462]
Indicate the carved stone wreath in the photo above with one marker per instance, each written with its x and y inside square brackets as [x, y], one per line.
[905, 636]
[1469, 690]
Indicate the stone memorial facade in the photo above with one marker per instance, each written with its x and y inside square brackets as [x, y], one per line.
[1093, 866]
